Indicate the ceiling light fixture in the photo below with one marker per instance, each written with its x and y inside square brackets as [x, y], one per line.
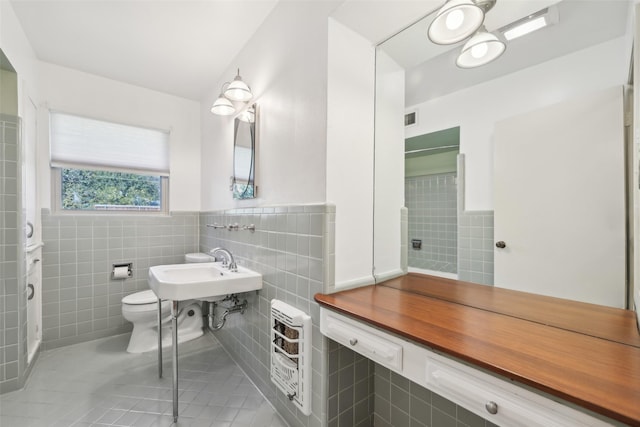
[531, 23]
[457, 20]
[236, 90]
[526, 28]
[481, 49]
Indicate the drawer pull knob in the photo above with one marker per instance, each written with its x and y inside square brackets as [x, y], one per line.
[353, 341]
[491, 407]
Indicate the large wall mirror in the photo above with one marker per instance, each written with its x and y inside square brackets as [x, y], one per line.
[243, 183]
[511, 174]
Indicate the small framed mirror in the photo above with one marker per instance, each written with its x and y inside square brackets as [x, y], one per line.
[244, 154]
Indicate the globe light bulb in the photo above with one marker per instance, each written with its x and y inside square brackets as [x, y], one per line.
[454, 19]
[479, 50]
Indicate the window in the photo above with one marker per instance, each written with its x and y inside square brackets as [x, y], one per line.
[108, 191]
[103, 166]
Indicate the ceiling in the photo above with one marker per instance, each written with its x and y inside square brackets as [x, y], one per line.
[377, 20]
[581, 23]
[180, 47]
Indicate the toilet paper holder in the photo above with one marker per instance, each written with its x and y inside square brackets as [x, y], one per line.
[122, 271]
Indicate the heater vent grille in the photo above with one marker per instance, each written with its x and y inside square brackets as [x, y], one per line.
[291, 353]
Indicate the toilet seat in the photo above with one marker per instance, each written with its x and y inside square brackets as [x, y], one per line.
[142, 297]
[143, 301]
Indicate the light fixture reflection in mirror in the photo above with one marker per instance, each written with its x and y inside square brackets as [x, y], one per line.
[244, 154]
[481, 49]
[458, 20]
[455, 21]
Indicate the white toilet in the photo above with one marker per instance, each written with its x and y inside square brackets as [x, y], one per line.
[141, 309]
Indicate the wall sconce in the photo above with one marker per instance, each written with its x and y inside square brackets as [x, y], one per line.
[222, 106]
[236, 90]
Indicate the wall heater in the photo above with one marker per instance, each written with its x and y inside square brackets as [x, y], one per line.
[291, 353]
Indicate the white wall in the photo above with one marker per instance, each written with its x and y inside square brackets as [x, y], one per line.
[476, 109]
[350, 108]
[389, 166]
[285, 63]
[16, 47]
[76, 92]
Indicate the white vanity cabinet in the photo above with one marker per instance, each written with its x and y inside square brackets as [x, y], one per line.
[498, 400]
[369, 342]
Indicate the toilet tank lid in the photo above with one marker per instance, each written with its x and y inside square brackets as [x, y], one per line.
[142, 297]
[198, 257]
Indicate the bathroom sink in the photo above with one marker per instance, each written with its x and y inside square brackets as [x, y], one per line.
[202, 281]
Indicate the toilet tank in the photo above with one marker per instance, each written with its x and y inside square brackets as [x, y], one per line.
[198, 257]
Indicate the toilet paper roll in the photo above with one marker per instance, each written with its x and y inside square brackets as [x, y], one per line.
[120, 272]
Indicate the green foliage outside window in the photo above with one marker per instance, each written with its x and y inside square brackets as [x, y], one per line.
[103, 190]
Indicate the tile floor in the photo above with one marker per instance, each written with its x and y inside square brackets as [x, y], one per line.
[98, 383]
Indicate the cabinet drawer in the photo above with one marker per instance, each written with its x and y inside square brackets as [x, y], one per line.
[498, 401]
[365, 340]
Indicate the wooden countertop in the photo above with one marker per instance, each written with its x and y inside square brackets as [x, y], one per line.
[597, 367]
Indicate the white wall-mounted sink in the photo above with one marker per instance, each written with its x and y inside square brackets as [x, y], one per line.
[202, 281]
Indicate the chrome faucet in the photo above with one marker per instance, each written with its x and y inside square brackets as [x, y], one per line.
[227, 256]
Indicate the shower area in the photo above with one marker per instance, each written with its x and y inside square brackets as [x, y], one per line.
[431, 202]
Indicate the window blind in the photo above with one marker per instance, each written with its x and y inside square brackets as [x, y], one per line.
[82, 143]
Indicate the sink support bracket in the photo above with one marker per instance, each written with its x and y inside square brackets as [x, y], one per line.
[159, 338]
[174, 327]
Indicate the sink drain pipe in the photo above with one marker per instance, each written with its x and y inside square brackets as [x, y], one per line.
[236, 307]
